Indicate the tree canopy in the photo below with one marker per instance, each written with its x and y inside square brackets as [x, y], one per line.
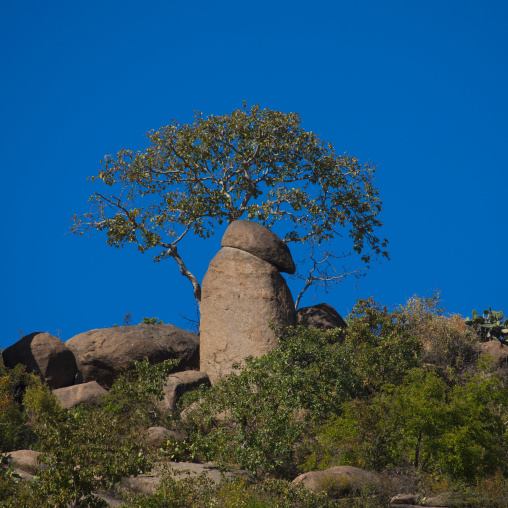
[255, 164]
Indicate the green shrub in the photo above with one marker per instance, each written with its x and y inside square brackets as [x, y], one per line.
[383, 351]
[455, 430]
[40, 405]
[134, 396]
[445, 340]
[490, 325]
[261, 418]
[151, 321]
[201, 492]
[89, 449]
[255, 418]
[14, 433]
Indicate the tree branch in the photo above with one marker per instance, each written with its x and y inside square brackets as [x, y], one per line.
[323, 273]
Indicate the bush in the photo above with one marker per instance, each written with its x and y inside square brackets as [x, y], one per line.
[455, 430]
[89, 449]
[383, 350]
[261, 417]
[134, 396]
[255, 418]
[445, 340]
[14, 433]
[40, 405]
[201, 492]
[151, 321]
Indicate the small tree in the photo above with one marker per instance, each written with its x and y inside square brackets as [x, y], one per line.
[256, 164]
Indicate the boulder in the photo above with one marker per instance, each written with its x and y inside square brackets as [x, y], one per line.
[156, 436]
[404, 499]
[86, 393]
[496, 350]
[111, 501]
[259, 241]
[26, 460]
[241, 296]
[102, 354]
[179, 383]
[339, 481]
[23, 475]
[444, 500]
[45, 355]
[146, 484]
[322, 316]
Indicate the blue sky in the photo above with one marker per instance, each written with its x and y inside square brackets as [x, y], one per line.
[418, 88]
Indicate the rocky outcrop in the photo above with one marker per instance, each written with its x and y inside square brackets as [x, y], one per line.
[322, 316]
[242, 295]
[86, 393]
[102, 354]
[339, 481]
[179, 383]
[45, 355]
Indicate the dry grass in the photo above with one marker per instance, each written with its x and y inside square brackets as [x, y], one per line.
[446, 340]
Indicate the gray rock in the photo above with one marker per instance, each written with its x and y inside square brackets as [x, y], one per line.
[45, 355]
[157, 436]
[403, 499]
[322, 316]
[102, 354]
[27, 460]
[114, 503]
[496, 350]
[241, 296]
[179, 383]
[147, 483]
[259, 241]
[339, 481]
[443, 500]
[86, 393]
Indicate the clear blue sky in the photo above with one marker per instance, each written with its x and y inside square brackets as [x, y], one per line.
[419, 88]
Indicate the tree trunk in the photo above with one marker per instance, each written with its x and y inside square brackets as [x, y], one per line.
[417, 451]
[173, 252]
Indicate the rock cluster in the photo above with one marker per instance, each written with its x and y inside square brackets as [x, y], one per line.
[244, 300]
[339, 482]
[87, 364]
[243, 295]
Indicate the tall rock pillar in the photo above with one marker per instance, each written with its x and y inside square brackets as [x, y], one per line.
[242, 293]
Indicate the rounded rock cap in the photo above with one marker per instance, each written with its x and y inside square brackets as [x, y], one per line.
[259, 241]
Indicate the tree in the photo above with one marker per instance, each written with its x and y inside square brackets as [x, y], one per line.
[252, 163]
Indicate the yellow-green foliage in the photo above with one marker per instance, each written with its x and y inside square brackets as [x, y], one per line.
[14, 434]
[201, 492]
[382, 349]
[40, 404]
[425, 423]
[135, 395]
[445, 340]
[364, 397]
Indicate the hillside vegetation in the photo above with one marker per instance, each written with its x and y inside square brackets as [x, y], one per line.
[404, 393]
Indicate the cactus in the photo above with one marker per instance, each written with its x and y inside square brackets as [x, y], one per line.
[490, 325]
